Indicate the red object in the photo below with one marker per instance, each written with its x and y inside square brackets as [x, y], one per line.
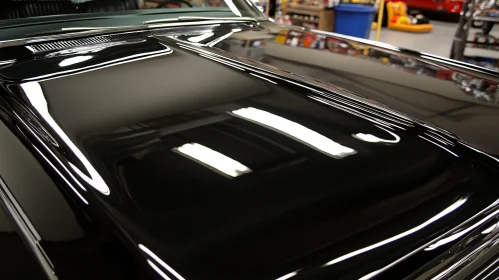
[449, 6]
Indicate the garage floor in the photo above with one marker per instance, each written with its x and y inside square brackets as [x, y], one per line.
[437, 42]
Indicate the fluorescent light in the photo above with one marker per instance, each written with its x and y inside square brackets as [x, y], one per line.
[197, 39]
[295, 131]
[74, 60]
[160, 261]
[212, 159]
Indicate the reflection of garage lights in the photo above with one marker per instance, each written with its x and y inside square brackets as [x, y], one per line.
[233, 7]
[212, 159]
[161, 262]
[161, 273]
[287, 276]
[35, 95]
[296, 131]
[374, 139]
[490, 229]
[197, 39]
[74, 60]
[440, 215]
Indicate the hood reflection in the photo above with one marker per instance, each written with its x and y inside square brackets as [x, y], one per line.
[161, 262]
[374, 139]
[35, 95]
[212, 159]
[440, 215]
[74, 60]
[295, 131]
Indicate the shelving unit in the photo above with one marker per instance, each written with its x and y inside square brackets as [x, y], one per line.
[472, 11]
[316, 17]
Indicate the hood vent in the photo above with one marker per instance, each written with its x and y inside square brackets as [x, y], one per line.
[70, 43]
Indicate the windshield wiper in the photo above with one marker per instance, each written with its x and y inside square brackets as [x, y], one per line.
[193, 18]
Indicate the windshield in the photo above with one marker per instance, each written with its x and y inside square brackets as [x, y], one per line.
[26, 18]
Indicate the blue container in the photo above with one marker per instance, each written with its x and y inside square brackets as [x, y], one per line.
[354, 20]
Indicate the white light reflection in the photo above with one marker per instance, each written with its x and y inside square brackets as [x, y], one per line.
[233, 7]
[374, 139]
[93, 67]
[295, 131]
[446, 211]
[213, 159]
[160, 261]
[461, 233]
[161, 273]
[439, 146]
[62, 176]
[490, 229]
[50, 151]
[35, 95]
[219, 39]
[221, 61]
[197, 39]
[287, 276]
[263, 78]
[74, 60]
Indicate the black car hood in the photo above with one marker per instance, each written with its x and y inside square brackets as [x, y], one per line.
[208, 165]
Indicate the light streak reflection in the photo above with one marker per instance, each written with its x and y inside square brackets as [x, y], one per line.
[446, 211]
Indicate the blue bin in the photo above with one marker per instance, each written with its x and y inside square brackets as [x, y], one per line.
[354, 20]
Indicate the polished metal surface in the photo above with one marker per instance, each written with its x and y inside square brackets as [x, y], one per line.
[229, 154]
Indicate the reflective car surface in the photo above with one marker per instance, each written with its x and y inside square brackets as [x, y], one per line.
[233, 148]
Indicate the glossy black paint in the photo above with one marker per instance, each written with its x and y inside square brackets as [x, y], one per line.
[330, 184]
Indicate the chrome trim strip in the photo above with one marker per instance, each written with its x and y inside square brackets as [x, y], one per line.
[184, 18]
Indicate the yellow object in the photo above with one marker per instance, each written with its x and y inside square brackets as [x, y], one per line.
[396, 14]
[403, 20]
[374, 26]
[281, 37]
[381, 9]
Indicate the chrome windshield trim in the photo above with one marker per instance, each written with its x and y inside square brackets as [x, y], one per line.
[192, 18]
[71, 35]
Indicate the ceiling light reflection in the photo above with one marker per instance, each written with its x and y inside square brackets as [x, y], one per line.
[295, 131]
[161, 273]
[461, 233]
[263, 78]
[233, 7]
[287, 276]
[490, 229]
[438, 145]
[35, 96]
[374, 139]
[62, 176]
[446, 211]
[212, 159]
[197, 39]
[160, 261]
[74, 60]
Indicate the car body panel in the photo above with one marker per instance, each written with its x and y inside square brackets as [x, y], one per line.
[181, 155]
